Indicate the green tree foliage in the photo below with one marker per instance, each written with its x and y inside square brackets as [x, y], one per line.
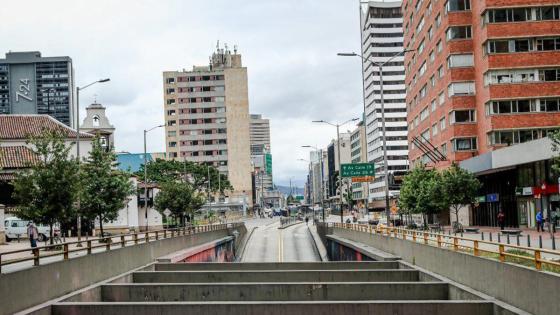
[460, 188]
[421, 193]
[104, 189]
[161, 171]
[46, 193]
[555, 138]
[179, 197]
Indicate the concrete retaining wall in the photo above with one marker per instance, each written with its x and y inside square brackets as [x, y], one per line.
[522, 287]
[23, 289]
[281, 308]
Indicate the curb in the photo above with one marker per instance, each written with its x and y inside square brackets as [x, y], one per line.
[288, 225]
[321, 250]
[239, 257]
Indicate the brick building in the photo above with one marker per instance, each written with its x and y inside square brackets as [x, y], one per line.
[484, 75]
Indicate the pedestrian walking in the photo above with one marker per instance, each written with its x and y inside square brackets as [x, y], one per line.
[33, 234]
[554, 220]
[539, 218]
[306, 220]
[501, 220]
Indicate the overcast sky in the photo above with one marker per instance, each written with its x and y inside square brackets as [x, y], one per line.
[289, 48]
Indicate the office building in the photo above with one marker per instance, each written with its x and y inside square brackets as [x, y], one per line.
[261, 151]
[358, 155]
[382, 39]
[31, 84]
[485, 75]
[333, 170]
[207, 118]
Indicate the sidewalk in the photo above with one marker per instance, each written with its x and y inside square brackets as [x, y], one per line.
[527, 235]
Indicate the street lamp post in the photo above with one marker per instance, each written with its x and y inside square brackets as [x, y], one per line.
[339, 161]
[146, 173]
[78, 89]
[385, 164]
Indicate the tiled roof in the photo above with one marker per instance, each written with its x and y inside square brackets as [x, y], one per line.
[16, 157]
[14, 127]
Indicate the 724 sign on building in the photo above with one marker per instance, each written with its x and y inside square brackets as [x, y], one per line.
[357, 170]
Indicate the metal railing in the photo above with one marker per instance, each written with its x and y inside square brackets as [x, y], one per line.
[287, 221]
[108, 242]
[466, 245]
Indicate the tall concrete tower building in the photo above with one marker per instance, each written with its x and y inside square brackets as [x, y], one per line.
[382, 38]
[32, 84]
[207, 118]
[260, 151]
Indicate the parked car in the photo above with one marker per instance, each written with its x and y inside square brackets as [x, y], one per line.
[16, 227]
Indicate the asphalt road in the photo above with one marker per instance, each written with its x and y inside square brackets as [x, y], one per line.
[270, 244]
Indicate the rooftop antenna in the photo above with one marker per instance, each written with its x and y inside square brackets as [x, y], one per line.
[235, 49]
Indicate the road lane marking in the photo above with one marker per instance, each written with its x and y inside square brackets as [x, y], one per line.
[280, 247]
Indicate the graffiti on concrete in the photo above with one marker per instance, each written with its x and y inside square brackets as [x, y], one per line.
[338, 252]
[223, 252]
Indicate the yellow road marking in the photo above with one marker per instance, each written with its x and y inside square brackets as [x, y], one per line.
[280, 247]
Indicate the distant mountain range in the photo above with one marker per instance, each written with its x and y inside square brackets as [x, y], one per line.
[286, 190]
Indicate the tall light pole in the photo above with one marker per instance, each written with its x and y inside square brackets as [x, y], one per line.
[146, 173]
[309, 180]
[385, 164]
[322, 175]
[339, 161]
[78, 205]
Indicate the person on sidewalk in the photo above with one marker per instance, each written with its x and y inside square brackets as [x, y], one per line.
[539, 218]
[501, 220]
[306, 220]
[33, 234]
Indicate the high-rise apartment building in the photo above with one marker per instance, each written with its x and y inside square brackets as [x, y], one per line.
[261, 152]
[207, 118]
[332, 167]
[382, 39]
[485, 74]
[358, 155]
[31, 84]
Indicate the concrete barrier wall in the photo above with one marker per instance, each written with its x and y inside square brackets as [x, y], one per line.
[525, 288]
[23, 289]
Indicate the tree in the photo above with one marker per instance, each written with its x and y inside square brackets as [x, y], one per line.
[160, 171]
[46, 193]
[179, 197]
[460, 188]
[421, 193]
[555, 138]
[104, 189]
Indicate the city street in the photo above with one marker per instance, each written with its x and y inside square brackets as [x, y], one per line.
[271, 244]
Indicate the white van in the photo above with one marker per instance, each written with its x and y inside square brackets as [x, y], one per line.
[16, 227]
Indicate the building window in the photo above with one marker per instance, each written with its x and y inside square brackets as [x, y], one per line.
[434, 105]
[172, 133]
[464, 144]
[442, 123]
[459, 32]
[170, 80]
[441, 98]
[440, 72]
[512, 106]
[424, 114]
[508, 137]
[457, 5]
[422, 69]
[444, 149]
[430, 32]
[421, 47]
[460, 89]
[548, 13]
[170, 91]
[508, 15]
[434, 129]
[549, 75]
[544, 44]
[438, 20]
[423, 91]
[433, 81]
[462, 116]
[425, 135]
[432, 56]
[172, 144]
[171, 101]
[463, 60]
[510, 46]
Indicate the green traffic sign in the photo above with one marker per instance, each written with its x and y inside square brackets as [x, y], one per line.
[268, 163]
[358, 169]
[299, 197]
